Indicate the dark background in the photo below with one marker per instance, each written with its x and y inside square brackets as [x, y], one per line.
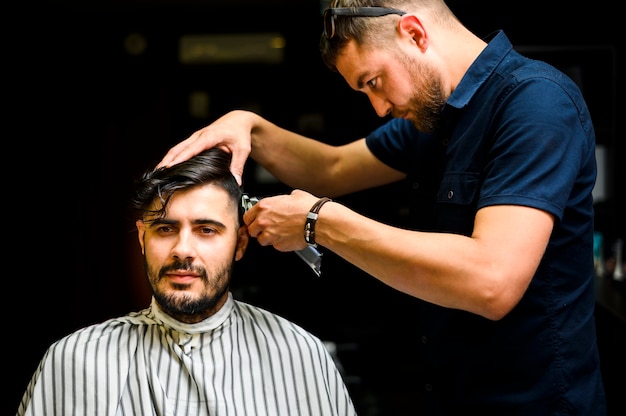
[84, 117]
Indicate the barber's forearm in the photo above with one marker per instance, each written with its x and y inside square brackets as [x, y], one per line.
[298, 161]
[449, 270]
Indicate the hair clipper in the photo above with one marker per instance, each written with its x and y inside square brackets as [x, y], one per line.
[310, 255]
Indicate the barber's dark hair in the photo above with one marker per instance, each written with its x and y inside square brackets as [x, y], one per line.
[211, 166]
[372, 31]
[348, 28]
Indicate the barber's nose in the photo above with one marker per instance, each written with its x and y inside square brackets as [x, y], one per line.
[381, 105]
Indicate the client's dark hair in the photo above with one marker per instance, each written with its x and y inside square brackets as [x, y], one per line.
[210, 166]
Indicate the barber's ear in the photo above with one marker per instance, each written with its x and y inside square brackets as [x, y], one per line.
[242, 242]
[411, 27]
[141, 230]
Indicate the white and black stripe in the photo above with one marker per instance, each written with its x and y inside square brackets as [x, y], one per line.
[242, 361]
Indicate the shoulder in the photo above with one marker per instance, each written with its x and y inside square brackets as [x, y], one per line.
[265, 321]
[110, 332]
[505, 72]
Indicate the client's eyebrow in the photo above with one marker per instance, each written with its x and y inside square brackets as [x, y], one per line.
[160, 221]
[199, 221]
[214, 223]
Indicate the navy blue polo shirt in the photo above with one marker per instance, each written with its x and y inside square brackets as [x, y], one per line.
[514, 131]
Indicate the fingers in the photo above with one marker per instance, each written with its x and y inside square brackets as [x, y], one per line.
[236, 166]
[204, 139]
[181, 151]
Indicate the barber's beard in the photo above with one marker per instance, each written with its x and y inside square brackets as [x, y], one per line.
[428, 98]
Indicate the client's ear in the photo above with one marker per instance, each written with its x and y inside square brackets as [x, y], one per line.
[141, 230]
[242, 242]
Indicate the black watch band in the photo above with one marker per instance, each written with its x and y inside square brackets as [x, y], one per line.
[311, 219]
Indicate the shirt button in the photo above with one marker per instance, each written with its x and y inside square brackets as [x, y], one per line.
[428, 387]
[424, 339]
[415, 185]
[450, 194]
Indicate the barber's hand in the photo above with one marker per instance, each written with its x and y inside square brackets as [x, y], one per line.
[230, 132]
[279, 220]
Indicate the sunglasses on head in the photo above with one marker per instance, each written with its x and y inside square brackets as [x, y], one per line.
[329, 15]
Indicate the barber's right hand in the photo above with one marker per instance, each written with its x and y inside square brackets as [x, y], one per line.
[279, 220]
[231, 132]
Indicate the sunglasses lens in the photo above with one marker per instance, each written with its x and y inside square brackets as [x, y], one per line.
[329, 24]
